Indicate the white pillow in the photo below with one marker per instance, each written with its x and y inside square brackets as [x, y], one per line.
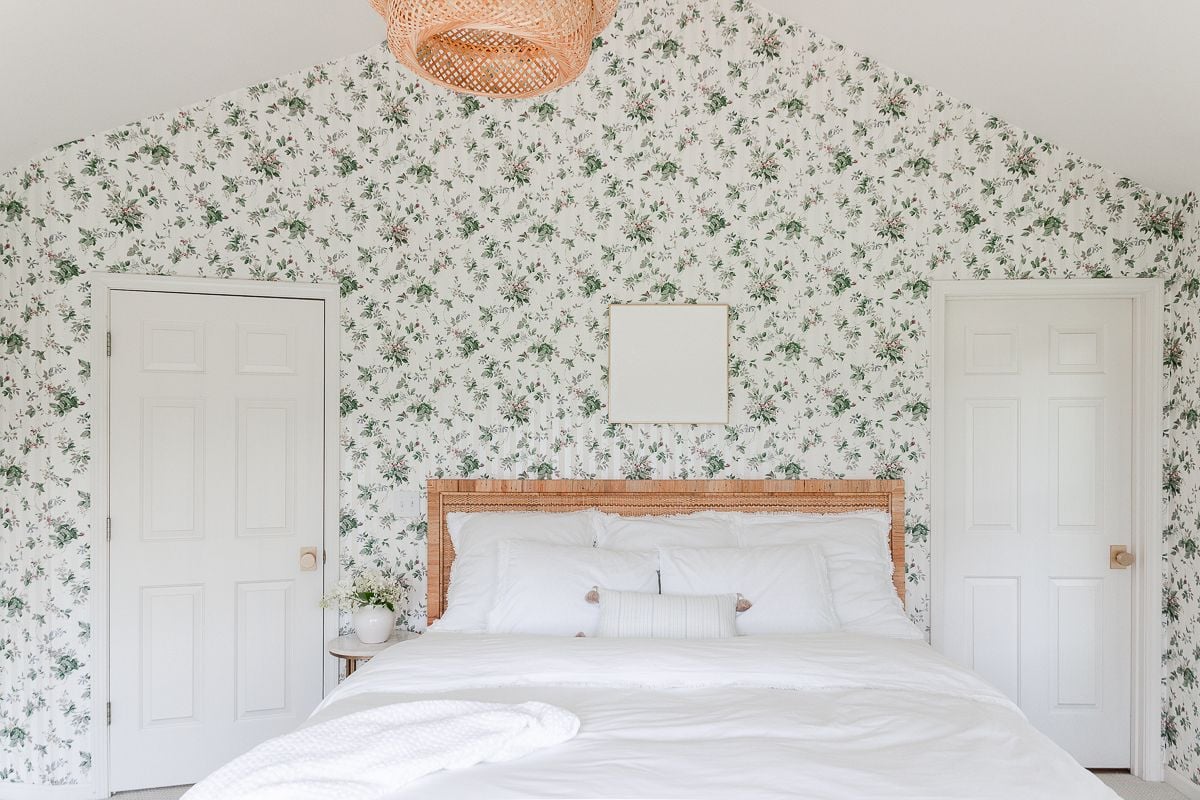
[859, 564]
[667, 616]
[543, 587]
[787, 584]
[754, 530]
[473, 577]
[704, 529]
[743, 518]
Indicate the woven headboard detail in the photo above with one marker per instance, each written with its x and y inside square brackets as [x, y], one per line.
[635, 498]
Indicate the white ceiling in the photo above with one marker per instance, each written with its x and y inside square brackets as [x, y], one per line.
[1115, 81]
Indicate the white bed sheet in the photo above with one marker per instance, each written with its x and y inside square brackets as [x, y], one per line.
[835, 716]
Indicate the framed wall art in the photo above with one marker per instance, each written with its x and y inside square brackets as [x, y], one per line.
[668, 364]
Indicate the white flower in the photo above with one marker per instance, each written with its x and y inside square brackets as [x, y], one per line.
[370, 588]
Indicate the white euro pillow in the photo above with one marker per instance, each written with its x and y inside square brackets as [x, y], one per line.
[754, 530]
[859, 562]
[641, 615]
[774, 517]
[543, 587]
[787, 584]
[476, 537]
[703, 529]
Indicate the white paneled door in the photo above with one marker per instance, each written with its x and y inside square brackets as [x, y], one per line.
[1038, 487]
[215, 491]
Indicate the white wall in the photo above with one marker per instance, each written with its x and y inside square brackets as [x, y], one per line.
[69, 68]
[1115, 81]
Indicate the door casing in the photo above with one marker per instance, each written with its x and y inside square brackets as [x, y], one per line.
[103, 283]
[1146, 294]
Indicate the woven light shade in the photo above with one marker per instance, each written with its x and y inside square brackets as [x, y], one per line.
[495, 48]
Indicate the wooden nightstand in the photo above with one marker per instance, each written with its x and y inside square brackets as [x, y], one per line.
[349, 649]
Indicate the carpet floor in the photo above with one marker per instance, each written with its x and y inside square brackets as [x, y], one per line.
[1131, 788]
[166, 793]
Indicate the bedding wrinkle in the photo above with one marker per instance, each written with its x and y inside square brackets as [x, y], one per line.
[822, 717]
[370, 753]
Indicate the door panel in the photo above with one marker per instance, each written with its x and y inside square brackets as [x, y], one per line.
[172, 649]
[994, 630]
[1075, 460]
[216, 484]
[266, 491]
[1038, 485]
[264, 622]
[992, 463]
[1076, 642]
[173, 469]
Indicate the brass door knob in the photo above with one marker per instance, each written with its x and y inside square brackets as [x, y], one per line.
[1119, 557]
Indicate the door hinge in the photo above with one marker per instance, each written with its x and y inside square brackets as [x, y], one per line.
[108, 343]
[108, 712]
[324, 557]
[108, 529]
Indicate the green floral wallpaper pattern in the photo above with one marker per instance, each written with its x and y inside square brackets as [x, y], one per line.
[710, 153]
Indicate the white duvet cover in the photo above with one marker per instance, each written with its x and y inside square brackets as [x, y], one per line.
[371, 753]
[835, 716]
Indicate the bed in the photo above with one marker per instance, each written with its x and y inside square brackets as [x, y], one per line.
[835, 715]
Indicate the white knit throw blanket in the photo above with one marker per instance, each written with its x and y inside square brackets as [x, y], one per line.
[371, 753]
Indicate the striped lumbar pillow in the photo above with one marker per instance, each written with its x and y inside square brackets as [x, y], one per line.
[666, 616]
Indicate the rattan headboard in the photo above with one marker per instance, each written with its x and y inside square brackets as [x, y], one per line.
[651, 497]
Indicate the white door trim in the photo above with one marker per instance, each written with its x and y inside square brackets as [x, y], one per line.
[103, 284]
[1146, 753]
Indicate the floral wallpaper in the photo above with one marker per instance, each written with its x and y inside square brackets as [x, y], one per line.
[1181, 489]
[710, 153]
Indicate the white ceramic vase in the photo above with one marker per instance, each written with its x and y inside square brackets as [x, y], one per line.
[373, 624]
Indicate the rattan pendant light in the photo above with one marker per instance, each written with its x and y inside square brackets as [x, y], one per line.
[495, 48]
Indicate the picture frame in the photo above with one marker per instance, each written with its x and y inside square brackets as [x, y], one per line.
[668, 364]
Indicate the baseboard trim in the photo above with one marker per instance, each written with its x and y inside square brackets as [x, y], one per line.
[1181, 783]
[25, 791]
